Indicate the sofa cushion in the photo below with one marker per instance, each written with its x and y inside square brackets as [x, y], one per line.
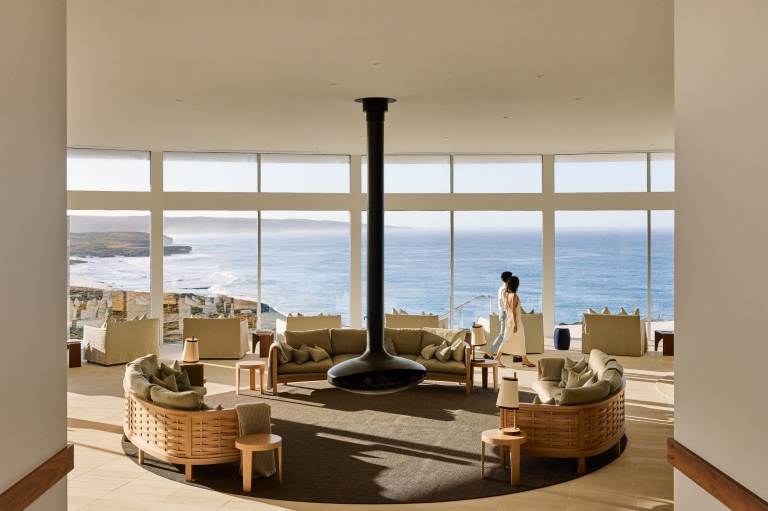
[201, 391]
[599, 362]
[389, 347]
[138, 381]
[321, 338]
[576, 380]
[301, 356]
[406, 340]
[551, 368]
[613, 378]
[443, 353]
[580, 365]
[338, 359]
[408, 356]
[546, 389]
[309, 376]
[435, 366]
[167, 383]
[457, 350]
[284, 352]
[428, 352]
[149, 365]
[182, 381]
[189, 400]
[347, 341]
[167, 370]
[437, 335]
[317, 353]
[583, 395]
[306, 367]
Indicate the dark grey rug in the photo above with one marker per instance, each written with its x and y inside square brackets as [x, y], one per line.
[420, 445]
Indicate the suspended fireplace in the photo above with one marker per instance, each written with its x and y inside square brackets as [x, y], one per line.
[376, 371]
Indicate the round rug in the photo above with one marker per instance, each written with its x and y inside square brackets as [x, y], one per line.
[420, 445]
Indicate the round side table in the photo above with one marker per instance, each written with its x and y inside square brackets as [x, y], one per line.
[511, 442]
[484, 364]
[562, 338]
[251, 366]
[259, 443]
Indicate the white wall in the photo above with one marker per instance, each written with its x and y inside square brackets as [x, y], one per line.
[721, 262]
[33, 239]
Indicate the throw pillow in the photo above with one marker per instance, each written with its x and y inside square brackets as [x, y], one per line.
[182, 381]
[168, 383]
[429, 351]
[403, 312]
[590, 311]
[531, 312]
[457, 351]
[567, 366]
[591, 381]
[394, 311]
[284, 353]
[550, 401]
[443, 353]
[168, 370]
[605, 311]
[301, 355]
[580, 365]
[389, 346]
[318, 354]
[523, 311]
[636, 312]
[576, 380]
[622, 312]
[537, 400]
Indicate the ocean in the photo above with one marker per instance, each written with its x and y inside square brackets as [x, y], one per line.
[308, 271]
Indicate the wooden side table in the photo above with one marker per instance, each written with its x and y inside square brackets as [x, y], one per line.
[484, 364]
[511, 442]
[196, 373]
[251, 366]
[259, 443]
[75, 353]
[667, 337]
[264, 338]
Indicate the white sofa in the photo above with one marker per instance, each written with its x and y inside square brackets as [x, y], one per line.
[218, 337]
[614, 334]
[121, 342]
[532, 323]
[304, 323]
[411, 321]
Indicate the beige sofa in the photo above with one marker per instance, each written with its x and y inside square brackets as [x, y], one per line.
[614, 334]
[121, 342]
[303, 323]
[218, 337]
[347, 343]
[532, 323]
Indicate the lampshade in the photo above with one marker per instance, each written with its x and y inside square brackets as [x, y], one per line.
[478, 335]
[508, 397]
[191, 353]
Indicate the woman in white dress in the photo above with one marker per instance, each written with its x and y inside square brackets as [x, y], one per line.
[514, 333]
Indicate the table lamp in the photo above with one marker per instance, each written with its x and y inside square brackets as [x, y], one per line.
[509, 400]
[191, 353]
[478, 337]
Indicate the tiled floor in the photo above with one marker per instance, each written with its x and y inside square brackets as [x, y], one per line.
[104, 479]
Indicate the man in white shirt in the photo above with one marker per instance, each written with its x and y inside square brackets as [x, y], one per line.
[502, 296]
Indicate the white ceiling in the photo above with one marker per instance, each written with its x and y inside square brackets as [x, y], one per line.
[257, 75]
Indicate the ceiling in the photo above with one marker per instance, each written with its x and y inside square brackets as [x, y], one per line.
[469, 76]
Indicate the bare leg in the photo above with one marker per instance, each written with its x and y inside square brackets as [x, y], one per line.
[497, 358]
[527, 363]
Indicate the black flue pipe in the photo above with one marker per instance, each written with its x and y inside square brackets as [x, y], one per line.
[376, 371]
[375, 109]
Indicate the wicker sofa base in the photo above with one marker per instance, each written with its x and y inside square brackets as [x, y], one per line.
[181, 437]
[571, 431]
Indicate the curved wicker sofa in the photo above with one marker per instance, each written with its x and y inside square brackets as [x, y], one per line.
[182, 437]
[574, 430]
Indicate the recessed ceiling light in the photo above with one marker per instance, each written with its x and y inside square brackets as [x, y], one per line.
[577, 99]
[653, 144]
[334, 84]
[447, 137]
[179, 100]
[377, 63]
[540, 76]
[505, 117]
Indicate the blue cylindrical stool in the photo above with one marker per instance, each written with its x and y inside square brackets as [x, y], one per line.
[562, 338]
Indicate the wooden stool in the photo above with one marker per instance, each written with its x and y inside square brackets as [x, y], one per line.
[511, 442]
[259, 443]
[251, 366]
[484, 363]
